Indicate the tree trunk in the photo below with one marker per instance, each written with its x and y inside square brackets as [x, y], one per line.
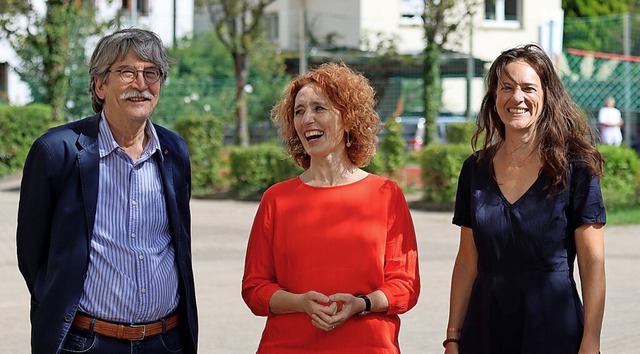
[432, 91]
[241, 70]
[57, 58]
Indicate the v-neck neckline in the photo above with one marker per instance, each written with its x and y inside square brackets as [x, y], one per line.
[521, 197]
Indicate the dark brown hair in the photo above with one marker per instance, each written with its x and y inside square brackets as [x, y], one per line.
[562, 135]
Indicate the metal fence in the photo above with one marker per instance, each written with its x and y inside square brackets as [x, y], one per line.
[601, 59]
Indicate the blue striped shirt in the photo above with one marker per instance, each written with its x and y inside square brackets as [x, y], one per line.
[132, 275]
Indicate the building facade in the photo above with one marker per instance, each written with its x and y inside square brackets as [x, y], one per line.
[296, 25]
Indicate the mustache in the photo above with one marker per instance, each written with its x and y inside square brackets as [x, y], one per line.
[137, 94]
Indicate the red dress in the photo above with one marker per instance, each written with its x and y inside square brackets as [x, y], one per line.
[355, 239]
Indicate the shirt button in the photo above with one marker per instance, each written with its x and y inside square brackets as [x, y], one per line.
[133, 202]
[141, 257]
[143, 290]
[133, 234]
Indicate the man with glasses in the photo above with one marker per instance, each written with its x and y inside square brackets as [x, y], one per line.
[104, 229]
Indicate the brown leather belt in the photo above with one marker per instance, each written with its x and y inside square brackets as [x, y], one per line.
[125, 331]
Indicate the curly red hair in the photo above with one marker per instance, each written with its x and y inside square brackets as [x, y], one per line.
[351, 94]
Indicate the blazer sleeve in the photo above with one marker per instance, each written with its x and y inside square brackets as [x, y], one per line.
[34, 213]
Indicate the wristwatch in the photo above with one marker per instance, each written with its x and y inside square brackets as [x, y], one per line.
[367, 305]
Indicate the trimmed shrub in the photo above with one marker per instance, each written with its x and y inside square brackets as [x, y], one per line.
[204, 136]
[257, 167]
[621, 180]
[20, 126]
[441, 165]
[376, 165]
[392, 147]
[460, 133]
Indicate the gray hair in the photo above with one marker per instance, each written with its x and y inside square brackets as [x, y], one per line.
[146, 44]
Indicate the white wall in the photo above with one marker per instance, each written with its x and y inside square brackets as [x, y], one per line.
[489, 39]
[328, 17]
[339, 17]
[288, 21]
[159, 20]
[357, 18]
[18, 91]
[384, 16]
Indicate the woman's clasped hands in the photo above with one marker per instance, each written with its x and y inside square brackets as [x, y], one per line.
[329, 312]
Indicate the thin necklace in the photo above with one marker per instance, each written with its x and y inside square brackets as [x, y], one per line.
[509, 154]
[516, 149]
[516, 165]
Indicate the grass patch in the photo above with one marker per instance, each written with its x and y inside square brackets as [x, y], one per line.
[627, 216]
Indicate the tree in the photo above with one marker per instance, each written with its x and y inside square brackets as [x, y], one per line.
[592, 8]
[594, 25]
[238, 26]
[441, 19]
[46, 44]
[202, 82]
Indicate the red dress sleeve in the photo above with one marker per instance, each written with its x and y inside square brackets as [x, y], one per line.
[259, 280]
[401, 269]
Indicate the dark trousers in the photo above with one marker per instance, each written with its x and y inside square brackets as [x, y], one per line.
[80, 341]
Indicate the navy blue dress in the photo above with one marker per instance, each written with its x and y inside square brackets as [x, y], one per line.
[524, 298]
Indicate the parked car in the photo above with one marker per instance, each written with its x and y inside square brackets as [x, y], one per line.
[443, 120]
[412, 131]
[413, 128]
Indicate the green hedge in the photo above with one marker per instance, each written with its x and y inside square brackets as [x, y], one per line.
[257, 167]
[460, 133]
[391, 149]
[20, 126]
[441, 166]
[621, 180]
[204, 136]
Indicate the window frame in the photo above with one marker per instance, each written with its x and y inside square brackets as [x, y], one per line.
[272, 26]
[411, 12]
[142, 6]
[500, 20]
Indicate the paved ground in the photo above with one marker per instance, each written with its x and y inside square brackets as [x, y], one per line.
[220, 230]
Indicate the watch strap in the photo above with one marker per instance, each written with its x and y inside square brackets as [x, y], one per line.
[367, 305]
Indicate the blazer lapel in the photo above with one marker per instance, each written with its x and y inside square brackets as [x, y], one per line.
[88, 166]
[165, 164]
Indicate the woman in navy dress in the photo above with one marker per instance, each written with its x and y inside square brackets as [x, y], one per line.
[528, 203]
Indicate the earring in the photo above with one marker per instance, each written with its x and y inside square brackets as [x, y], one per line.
[348, 140]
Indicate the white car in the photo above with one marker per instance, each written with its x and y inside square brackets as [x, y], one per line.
[413, 128]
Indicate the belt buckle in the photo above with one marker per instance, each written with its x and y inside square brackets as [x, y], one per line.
[144, 330]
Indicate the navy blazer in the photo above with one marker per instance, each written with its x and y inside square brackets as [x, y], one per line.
[56, 215]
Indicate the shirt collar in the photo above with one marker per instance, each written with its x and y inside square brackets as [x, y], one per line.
[107, 143]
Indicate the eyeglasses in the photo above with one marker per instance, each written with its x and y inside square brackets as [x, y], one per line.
[129, 75]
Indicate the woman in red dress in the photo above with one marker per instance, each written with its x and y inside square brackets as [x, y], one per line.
[332, 258]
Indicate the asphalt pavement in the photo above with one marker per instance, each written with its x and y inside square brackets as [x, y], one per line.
[220, 230]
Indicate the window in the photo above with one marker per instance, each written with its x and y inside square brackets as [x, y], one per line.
[272, 26]
[503, 11]
[411, 12]
[142, 6]
[4, 94]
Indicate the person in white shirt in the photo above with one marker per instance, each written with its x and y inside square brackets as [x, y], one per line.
[610, 122]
